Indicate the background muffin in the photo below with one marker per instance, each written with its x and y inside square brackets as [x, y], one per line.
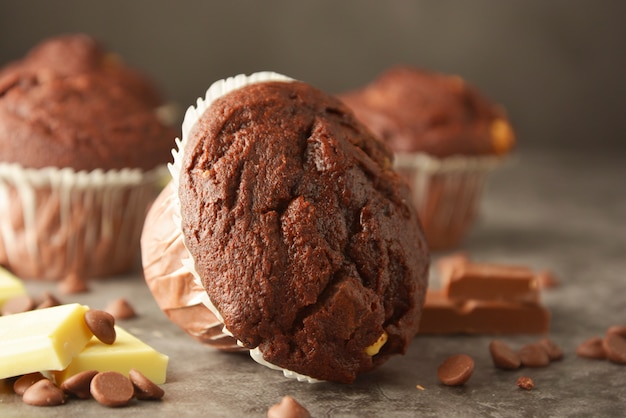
[297, 227]
[82, 150]
[446, 137]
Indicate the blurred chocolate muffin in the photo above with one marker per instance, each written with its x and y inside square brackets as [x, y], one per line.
[82, 151]
[446, 137]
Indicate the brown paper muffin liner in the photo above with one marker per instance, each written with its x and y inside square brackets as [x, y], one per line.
[61, 224]
[446, 193]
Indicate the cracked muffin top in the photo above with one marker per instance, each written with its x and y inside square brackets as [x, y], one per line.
[69, 103]
[301, 232]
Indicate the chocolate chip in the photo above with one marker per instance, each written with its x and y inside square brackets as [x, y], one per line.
[121, 309]
[43, 393]
[554, 352]
[288, 408]
[73, 283]
[503, 356]
[617, 329]
[18, 304]
[111, 389]
[615, 348]
[26, 381]
[591, 348]
[145, 389]
[456, 370]
[102, 324]
[534, 355]
[48, 301]
[79, 384]
[525, 382]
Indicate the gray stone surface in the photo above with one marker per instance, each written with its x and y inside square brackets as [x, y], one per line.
[557, 211]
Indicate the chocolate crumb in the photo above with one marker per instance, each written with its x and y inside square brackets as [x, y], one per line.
[102, 324]
[121, 309]
[288, 408]
[456, 370]
[525, 382]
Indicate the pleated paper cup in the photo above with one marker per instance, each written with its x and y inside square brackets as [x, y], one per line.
[446, 193]
[61, 224]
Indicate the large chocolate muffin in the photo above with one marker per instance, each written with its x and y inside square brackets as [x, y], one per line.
[299, 229]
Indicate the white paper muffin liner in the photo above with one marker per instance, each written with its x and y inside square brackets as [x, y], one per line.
[57, 222]
[446, 192]
[193, 114]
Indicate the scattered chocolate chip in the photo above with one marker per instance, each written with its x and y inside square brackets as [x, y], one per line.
[121, 309]
[43, 393]
[26, 381]
[534, 355]
[145, 389]
[112, 389]
[555, 353]
[456, 370]
[615, 348]
[525, 382]
[288, 408]
[72, 283]
[18, 304]
[617, 329]
[503, 356]
[48, 301]
[102, 324]
[79, 384]
[591, 348]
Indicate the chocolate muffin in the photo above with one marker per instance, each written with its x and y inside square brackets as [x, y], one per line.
[446, 137]
[82, 151]
[298, 228]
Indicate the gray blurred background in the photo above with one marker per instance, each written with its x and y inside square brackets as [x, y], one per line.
[559, 67]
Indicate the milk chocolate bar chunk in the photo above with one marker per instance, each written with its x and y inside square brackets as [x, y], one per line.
[498, 317]
[491, 282]
[441, 315]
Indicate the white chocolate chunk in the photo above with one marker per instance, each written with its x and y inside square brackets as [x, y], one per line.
[43, 339]
[126, 353]
[10, 286]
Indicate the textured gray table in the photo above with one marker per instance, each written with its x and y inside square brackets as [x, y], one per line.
[563, 212]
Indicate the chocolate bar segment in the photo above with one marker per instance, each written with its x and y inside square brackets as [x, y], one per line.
[491, 282]
[442, 315]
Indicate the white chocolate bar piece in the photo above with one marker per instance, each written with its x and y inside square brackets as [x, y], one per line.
[43, 339]
[127, 352]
